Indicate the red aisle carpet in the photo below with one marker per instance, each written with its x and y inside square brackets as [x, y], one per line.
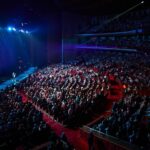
[73, 136]
[24, 98]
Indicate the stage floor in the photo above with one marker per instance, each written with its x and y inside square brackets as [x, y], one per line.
[19, 78]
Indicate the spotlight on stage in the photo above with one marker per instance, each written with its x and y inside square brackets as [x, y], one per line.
[14, 29]
[22, 30]
[9, 29]
[27, 32]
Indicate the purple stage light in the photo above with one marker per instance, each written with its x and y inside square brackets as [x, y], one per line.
[104, 48]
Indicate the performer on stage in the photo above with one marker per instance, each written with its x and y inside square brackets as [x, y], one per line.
[14, 77]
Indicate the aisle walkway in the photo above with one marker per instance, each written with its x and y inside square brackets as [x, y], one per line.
[73, 135]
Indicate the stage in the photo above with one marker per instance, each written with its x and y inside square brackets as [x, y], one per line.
[18, 78]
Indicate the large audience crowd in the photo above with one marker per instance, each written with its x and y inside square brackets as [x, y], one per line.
[72, 91]
[67, 92]
[131, 68]
[22, 126]
[125, 122]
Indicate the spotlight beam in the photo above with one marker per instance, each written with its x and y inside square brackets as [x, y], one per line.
[128, 10]
[117, 16]
[121, 14]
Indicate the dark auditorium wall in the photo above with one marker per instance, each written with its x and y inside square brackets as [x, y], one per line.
[54, 33]
[49, 34]
[61, 26]
[71, 24]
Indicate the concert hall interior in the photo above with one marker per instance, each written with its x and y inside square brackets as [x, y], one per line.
[75, 75]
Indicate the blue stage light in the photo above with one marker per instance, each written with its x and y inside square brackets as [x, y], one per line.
[9, 28]
[27, 32]
[22, 30]
[14, 29]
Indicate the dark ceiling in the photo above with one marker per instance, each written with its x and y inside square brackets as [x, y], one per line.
[33, 10]
[96, 7]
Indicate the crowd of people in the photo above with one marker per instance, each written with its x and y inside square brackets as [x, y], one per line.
[22, 126]
[131, 68]
[125, 121]
[67, 92]
[71, 92]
